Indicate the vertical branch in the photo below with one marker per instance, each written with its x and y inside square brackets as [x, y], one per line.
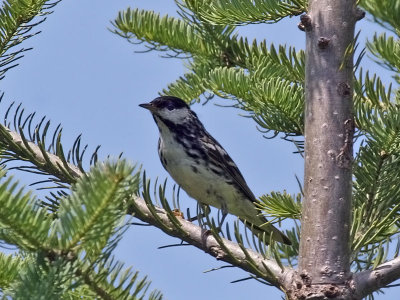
[329, 127]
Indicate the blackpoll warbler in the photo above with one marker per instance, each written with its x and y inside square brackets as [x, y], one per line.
[199, 164]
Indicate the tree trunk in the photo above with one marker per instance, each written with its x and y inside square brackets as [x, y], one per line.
[324, 257]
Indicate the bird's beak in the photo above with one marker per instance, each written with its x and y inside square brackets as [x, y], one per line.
[148, 106]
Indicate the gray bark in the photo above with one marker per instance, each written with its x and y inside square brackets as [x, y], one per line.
[324, 257]
[366, 282]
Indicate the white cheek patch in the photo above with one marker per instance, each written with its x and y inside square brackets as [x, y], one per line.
[176, 116]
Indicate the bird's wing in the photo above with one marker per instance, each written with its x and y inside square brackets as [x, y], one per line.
[221, 158]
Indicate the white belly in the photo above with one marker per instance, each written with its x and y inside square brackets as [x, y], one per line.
[205, 186]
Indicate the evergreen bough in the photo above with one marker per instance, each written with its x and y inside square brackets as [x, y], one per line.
[65, 238]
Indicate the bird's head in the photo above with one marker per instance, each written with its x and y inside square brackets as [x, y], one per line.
[170, 109]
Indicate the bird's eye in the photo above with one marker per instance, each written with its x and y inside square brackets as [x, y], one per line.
[170, 107]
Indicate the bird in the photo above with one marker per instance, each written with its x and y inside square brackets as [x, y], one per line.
[202, 167]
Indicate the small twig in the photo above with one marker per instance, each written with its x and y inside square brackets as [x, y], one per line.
[139, 224]
[173, 245]
[219, 268]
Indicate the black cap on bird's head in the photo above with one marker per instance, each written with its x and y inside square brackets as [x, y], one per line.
[169, 102]
[171, 110]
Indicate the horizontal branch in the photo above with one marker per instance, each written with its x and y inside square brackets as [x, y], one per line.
[222, 249]
[43, 158]
[370, 281]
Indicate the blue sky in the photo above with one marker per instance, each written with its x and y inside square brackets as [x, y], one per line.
[91, 81]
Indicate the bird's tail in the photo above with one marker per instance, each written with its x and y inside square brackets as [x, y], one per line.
[269, 230]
